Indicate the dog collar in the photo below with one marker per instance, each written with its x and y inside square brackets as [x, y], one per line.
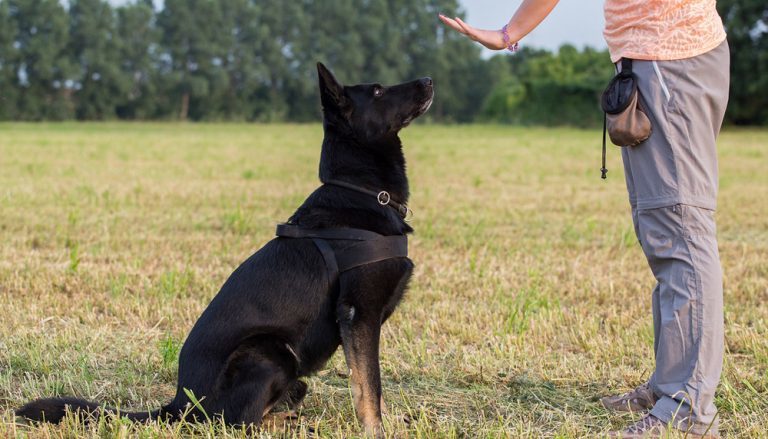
[383, 198]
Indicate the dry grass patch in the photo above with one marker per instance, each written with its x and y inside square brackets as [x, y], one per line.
[531, 297]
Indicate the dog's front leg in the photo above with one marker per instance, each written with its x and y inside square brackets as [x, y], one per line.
[360, 339]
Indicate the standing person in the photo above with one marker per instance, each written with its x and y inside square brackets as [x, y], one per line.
[681, 60]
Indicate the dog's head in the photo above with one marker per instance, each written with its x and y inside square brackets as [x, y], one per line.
[372, 112]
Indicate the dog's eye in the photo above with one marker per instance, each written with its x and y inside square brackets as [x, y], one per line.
[378, 92]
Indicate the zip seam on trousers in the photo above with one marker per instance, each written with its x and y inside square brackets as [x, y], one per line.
[661, 81]
[696, 373]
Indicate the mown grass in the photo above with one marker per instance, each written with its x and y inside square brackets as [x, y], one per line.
[531, 297]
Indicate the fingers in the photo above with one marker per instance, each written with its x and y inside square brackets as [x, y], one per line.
[460, 26]
[452, 24]
[464, 26]
[467, 29]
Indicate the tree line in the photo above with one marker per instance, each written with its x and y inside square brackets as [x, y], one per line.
[254, 60]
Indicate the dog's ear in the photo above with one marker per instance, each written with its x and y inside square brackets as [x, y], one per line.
[331, 92]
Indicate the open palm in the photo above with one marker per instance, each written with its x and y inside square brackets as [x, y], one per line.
[491, 39]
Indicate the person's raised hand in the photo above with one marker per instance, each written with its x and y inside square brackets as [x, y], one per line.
[492, 39]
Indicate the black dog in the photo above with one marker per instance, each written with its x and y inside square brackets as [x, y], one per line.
[333, 277]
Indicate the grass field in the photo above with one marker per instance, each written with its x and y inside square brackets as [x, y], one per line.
[530, 300]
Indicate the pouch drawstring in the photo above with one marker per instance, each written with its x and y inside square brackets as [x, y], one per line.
[604, 170]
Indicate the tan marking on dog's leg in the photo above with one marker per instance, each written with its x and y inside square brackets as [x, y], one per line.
[367, 404]
[361, 352]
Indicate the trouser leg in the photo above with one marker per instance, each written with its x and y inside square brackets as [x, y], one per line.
[672, 184]
[681, 247]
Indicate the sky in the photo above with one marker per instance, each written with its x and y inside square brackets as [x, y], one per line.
[578, 22]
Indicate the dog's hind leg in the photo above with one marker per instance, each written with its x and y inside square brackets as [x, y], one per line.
[286, 410]
[258, 376]
[295, 394]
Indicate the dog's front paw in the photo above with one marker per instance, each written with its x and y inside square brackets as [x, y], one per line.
[375, 430]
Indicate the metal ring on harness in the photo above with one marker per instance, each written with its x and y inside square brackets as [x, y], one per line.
[408, 214]
[384, 198]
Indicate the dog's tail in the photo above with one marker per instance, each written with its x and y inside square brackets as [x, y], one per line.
[53, 410]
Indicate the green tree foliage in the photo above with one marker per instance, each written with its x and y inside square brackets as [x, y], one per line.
[238, 60]
[41, 63]
[94, 48]
[542, 88]
[8, 57]
[193, 37]
[747, 24]
[254, 60]
[138, 39]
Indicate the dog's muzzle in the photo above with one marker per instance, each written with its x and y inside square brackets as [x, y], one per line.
[430, 96]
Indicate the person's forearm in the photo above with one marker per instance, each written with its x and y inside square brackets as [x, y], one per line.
[528, 16]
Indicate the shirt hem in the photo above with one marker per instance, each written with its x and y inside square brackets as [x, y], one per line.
[646, 56]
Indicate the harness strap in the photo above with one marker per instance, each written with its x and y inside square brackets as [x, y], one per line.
[368, 247]
[368, 252]
[330, 259]
[349, 234]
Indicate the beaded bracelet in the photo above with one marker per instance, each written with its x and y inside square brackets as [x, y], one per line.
[512, 47]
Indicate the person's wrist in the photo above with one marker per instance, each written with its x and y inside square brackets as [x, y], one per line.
[501, 45]
[508, 42]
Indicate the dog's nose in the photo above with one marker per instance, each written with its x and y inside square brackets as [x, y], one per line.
[427, 82]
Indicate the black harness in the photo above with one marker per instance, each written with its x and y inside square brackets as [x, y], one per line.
[353, 247]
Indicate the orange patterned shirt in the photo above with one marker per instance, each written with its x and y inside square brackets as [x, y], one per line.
[661, 30]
